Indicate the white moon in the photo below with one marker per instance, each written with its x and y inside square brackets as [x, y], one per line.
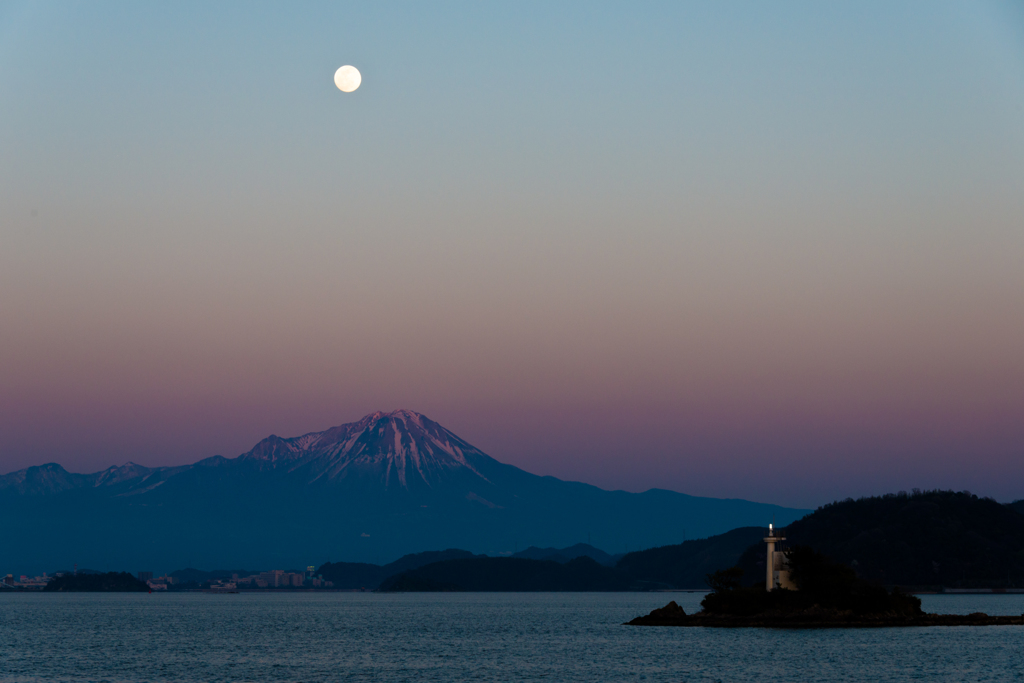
[347, 78]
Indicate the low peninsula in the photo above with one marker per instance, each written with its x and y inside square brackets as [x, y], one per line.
[826, 595]
[111, 582]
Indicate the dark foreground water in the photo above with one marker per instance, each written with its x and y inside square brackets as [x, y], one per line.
[461, 637]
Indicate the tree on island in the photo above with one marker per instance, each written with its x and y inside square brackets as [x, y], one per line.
[828, 595]
[823, 586]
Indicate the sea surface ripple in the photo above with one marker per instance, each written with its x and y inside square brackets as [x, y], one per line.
[469, 636]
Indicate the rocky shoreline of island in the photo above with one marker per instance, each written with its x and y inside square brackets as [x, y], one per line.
[674, 615]
[814, 592]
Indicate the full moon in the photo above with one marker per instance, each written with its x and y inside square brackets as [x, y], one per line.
[347, 78]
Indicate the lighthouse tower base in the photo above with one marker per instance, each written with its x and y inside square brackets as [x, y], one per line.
[776, 566]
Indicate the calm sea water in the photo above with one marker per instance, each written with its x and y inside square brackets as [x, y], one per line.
[460, 637]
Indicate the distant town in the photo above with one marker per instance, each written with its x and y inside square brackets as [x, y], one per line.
[277, 578]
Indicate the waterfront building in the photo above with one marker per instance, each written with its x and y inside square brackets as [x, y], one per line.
[33, 582]
[275, 578]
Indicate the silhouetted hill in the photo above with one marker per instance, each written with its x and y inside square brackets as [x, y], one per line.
[111, 582]
[364, 575]
[509, 574]
[686, 564]
[416, 560]
[1017, 506]
[563, 555]
[935, 538]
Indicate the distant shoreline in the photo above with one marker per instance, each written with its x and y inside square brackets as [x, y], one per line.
[278, 591]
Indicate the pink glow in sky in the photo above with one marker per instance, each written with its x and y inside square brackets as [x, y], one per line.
[782, 259]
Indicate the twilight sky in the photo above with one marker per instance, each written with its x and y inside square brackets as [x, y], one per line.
[761, 250]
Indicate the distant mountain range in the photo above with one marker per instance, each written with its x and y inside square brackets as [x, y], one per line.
[385, 486]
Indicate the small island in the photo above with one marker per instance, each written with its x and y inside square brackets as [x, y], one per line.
[818, 593]
[111, 582]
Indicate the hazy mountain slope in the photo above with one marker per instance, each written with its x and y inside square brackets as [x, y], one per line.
[686, 564]
[563, 555]
[365, 575]
[368, 491]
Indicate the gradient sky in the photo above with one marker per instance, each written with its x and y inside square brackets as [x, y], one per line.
[760, 250]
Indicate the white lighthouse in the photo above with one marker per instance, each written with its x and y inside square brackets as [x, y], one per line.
[776, 566]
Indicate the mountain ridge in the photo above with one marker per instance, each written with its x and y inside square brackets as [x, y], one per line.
[328, 453]
[384, 486]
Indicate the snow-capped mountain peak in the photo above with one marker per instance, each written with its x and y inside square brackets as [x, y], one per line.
[402, 448]
[116, 475]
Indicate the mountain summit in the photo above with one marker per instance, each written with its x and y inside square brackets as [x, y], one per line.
[401, 448]
[371, 490]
